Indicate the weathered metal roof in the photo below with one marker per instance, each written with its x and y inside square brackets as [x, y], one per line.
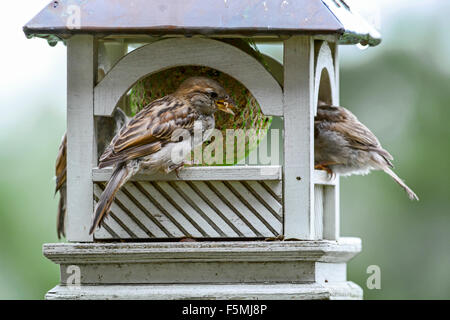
[62, 18]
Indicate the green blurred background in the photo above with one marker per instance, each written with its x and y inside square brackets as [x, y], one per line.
[401, 90]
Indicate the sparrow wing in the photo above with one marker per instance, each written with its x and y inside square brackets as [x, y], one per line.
[60, 167]
[358, 136]
[149, 130]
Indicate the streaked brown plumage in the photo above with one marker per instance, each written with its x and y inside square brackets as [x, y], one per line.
[156, 132]
[120, 119]
[344, 145]
[60, 174]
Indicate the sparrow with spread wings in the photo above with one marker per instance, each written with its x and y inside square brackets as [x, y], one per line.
[342, 144]
[153, 137]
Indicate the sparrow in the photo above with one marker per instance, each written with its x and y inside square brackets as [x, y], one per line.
[120, 119]
[158, 132]
[345, 146]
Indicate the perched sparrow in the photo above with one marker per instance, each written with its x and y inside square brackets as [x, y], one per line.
[120, 119]
[155, 133]
[344, 145]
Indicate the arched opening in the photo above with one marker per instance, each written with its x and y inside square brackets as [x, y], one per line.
[169, 53]
[325, 91]
[249, 123]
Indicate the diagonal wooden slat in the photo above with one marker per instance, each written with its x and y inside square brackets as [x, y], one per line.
[272, 208]
[124, 222]
[235, 205]
[199, 209]
[170, 211]
[202, 194]
[182, 207]
[195, 210]
[265, 198]
[252, 204]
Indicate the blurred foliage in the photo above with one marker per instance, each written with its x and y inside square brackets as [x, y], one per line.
[400, 91]
[27, 205]
[405, 100]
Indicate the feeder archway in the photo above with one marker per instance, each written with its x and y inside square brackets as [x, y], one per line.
[170, 53]
[324, 77]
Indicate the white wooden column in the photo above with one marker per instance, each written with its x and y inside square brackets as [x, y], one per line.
[108, 54]
[331, 219]
[81, 70]
[298, 137]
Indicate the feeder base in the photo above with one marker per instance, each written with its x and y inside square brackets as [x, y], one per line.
[205, 270]
[280, 291]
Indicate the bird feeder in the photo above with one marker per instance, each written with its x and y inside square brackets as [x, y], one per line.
[137, 253]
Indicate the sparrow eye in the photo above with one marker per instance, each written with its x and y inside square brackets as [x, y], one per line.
[213, 95]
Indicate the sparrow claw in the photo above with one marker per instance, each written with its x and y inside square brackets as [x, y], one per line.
[330, 174]
[177, 171]
[187, 239]
[177, 168]
[325, 166]
[279, 237]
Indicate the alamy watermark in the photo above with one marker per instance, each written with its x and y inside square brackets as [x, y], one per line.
[73, 280]
[229, 147]
[73, 13]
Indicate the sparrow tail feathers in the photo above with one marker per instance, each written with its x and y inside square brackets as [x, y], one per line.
[60, 227]
[117, 180]
[396, 178]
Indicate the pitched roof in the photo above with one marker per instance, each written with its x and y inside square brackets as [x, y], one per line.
[63, 18]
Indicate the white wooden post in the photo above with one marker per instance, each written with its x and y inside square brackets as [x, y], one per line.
[331, 219]
[298, 137]
[108, 54]
[81, 71]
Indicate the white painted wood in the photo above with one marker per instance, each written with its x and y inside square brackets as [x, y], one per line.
[321, 177]
[272, 291]
[221, 204]
[201, 203]
[336, 73]
[195, 51]
[275, 68]
[81, 70]
[250, 208]
[327, 213]
[215, 251]
[331, 272]
[181, 220]
[324, 61]
[214, 209]
[257, 203]
[202, 173]
[120, 215]
[109, 52]
[158, 224]
[206, 269]
[270, 200]
[207, 229]
[298, 137]
[318, 211]
[198, 272]
[331, 217]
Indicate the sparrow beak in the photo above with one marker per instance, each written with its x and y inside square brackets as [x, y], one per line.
[225, 105]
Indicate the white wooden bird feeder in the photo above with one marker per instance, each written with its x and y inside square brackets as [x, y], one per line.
[134, 254]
